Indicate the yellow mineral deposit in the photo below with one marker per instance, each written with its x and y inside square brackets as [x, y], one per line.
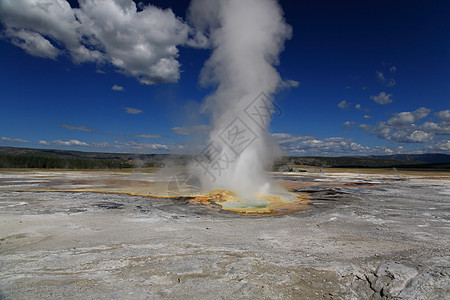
[262, 205]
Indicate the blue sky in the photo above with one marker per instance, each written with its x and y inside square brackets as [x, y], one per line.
[373, 77]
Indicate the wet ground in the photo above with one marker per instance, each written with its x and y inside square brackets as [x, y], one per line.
[82, 235]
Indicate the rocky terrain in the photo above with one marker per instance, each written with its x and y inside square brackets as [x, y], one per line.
[365, 236]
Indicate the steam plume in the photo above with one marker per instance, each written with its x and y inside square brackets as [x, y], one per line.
[247, 37]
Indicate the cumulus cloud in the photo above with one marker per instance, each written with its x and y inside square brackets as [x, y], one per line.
[13, 140]
[442, 128]
[406, 118]
[382, 98]
[343, 104]
[358, 106]
[139, 147]
[308, 145]
[421, 113]
[444, 115]
[120, 146]
[197, 129]
[286, 138]
[80, 128]
[33, 43]
[401, 119]
[393, 69]
[133, 111]
[63, 143]
[367, 117]
[406, 127]
[441, 146]
[142, 44]
[118, 88]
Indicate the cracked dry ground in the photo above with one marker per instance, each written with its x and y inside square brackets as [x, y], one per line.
[388, 240]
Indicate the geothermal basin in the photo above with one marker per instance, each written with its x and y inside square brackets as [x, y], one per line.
[120, 234]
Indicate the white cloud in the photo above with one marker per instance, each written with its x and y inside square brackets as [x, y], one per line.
[50, 22]
[358, 106]
[421, 113]
[117, 146]
[441, 146]
[401, 119]
[148, 136]
[444, 115]
[139, 44]
[388, 82]
[286, 138]
[64, 143]
[139, 147]
[367, 117]
[133, 111]
[414, 136]
[308, 145]
[382, 98]
[380, 76]
[33, 43]
[437, 128]
[197, 129]
[406, 118]
[393, 69]
[406, 127]
[117, 88]
[348, 125]
[343, 104]
[81, 128]
[13, 140]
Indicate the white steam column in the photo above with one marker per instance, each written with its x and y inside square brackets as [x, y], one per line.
[247, 37]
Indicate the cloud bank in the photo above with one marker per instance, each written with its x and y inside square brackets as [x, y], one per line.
[309, 145]
[13, 140]
[64, 143]
[408, 127]
[142, 44]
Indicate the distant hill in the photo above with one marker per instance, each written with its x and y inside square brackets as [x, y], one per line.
[413, 161]
[11, 157]
[429, 158]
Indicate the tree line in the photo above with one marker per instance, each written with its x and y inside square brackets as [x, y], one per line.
[41, 162]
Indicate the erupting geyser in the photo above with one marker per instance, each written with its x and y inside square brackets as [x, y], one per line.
[247, 37]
